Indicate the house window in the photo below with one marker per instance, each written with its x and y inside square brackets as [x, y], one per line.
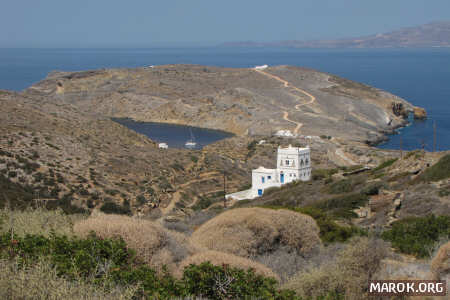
[269, 177]
[306, 161]
[262, 179]
[287, 163]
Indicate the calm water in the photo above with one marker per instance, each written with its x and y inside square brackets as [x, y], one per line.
[421, 76]
[175, 135]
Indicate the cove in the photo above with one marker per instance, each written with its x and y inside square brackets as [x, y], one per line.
[175, 135]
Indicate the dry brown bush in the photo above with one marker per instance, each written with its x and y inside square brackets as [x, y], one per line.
[440, 265]
[220, 258]
[249, 232]
[348, 274]
[41, 282]
[153, 244]
[36, 221]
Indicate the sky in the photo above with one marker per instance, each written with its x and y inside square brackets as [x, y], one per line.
[142, 23]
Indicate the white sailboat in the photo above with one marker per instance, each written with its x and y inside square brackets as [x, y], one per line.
[191, 142]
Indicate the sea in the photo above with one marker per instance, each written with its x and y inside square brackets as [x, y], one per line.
[421, 76]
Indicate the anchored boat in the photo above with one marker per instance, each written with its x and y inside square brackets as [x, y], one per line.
[191, 142]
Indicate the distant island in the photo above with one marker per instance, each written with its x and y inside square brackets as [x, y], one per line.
[436, 34]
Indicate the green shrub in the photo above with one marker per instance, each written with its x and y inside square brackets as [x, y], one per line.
[71, 256]
[223, 282]
[109, 262]
[417, 153]
[330, 231]
[251, 147]
[385, 164]
[343, 206]
[342, 186]
[418, 235]
[318, 174]
[439, 171]
[202, 203]
[141, 200]
[372, 189]
[111, 207]
[14, 194]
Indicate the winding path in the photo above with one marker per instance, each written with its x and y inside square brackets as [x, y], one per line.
[177, 195]
[297, 107]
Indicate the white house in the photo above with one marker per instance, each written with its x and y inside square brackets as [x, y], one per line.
[293, 163]
[285, 133]
[163, 146]
[261, 67]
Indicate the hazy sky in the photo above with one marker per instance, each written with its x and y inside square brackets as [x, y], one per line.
[135, 23]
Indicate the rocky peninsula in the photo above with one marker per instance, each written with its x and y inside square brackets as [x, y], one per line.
[241, 101]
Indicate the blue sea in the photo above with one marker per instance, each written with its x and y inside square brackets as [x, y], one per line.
[421, 76]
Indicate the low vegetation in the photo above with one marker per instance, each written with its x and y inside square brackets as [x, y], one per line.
[418, 235]
[41, 281]
[220, 259]
[330, 231]
[36, 221]
[154, 245]
[439, 171]
[343, 206]
[108, 268]
[249, 232]
[385, 164]
[345, 278]
[318, 174]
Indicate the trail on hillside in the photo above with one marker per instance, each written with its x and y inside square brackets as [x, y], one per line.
[177, 195]
[287, 84]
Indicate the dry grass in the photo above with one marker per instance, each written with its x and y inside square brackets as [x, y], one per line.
[36, 221]
[348, 274]
[440, 265]
[154, 244]
[221, 258]
[41, 282]
[249, 232]
[283, 262]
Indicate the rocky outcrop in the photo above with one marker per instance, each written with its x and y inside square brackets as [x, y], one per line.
[420, 113]
[399, 109]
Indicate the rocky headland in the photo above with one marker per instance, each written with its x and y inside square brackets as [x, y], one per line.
[242, 101]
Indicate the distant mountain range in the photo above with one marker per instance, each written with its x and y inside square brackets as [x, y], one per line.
[436, 34]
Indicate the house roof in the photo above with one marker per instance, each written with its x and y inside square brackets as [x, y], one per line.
[263, 170]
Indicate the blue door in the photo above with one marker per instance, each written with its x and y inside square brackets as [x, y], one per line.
[260, 192]
[282, 178]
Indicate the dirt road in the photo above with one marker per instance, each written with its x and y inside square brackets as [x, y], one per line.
[297, 107]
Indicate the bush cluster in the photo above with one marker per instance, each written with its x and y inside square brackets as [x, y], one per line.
[344, 278]
[110, 207]
[330, 231]
[110, 263]
[343, 206]
[418, 235]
